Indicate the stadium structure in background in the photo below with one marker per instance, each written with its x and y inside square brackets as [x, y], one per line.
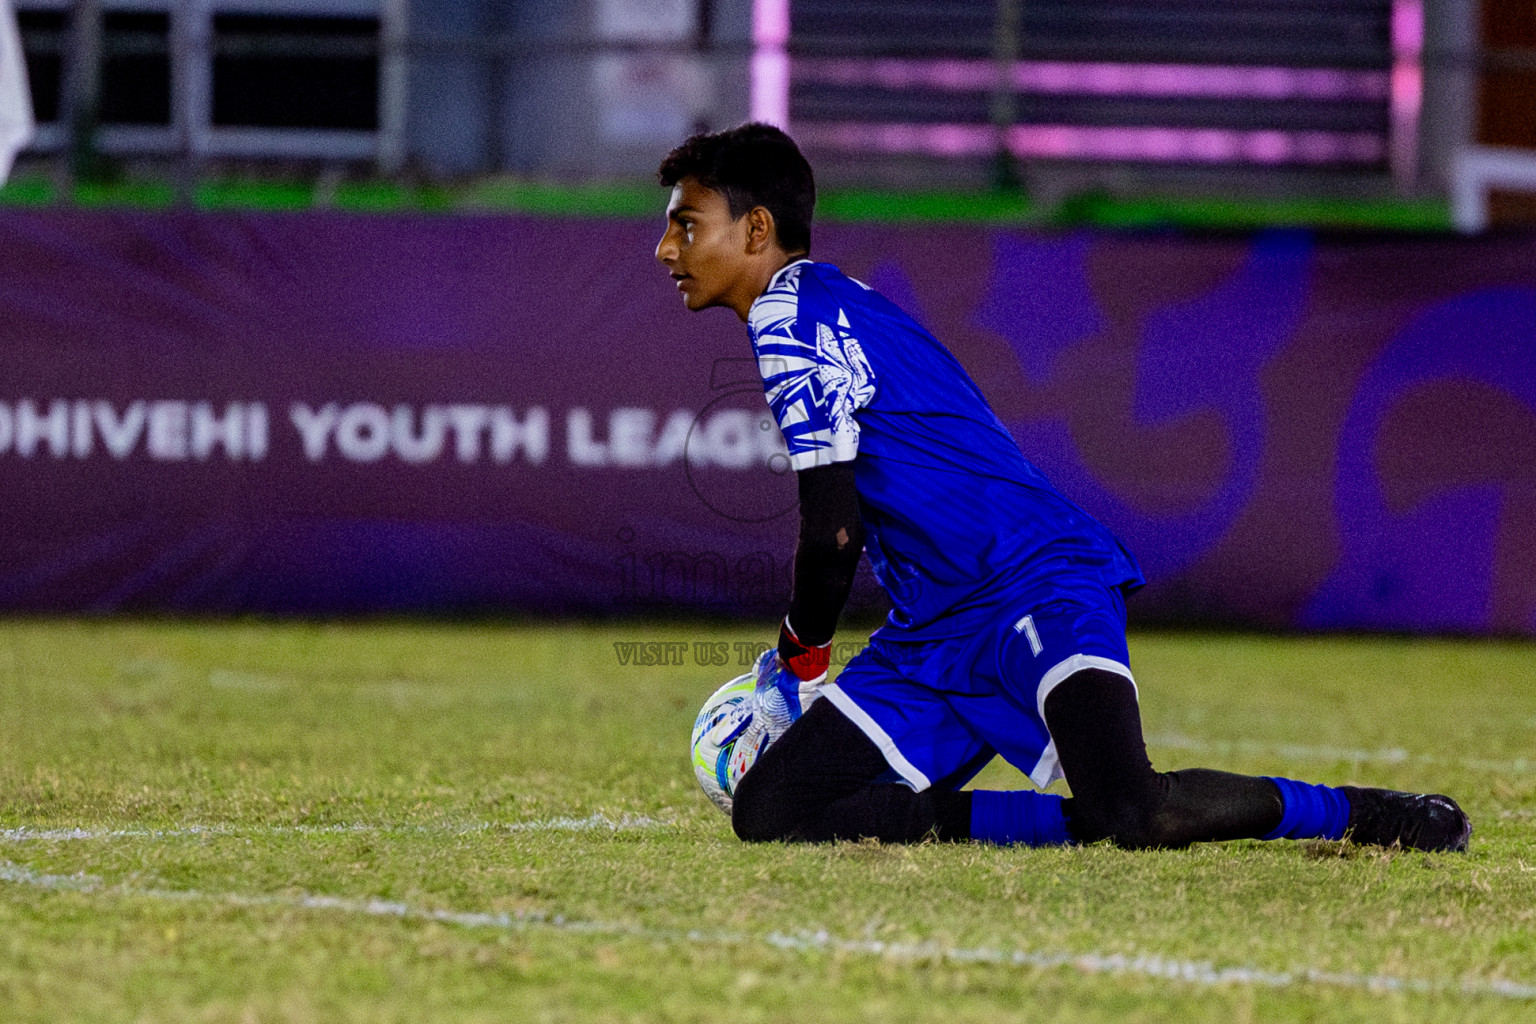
[1346, 96]
[315, 413]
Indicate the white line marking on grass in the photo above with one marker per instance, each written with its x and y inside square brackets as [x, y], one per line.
[1302, 752]
[1192, 972]
[223, 679]
[404, 690]
[591, 823]
[1196, 972]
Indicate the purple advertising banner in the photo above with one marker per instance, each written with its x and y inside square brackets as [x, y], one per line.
[320, 414]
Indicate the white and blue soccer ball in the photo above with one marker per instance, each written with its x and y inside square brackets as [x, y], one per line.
[728, 738]
[741, 720]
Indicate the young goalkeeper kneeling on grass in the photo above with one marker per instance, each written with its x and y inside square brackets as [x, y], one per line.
[1007, 628]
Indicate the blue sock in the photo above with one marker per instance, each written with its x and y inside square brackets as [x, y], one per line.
[1018, 816]
[1311, 812]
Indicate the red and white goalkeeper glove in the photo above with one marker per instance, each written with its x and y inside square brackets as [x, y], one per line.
[809, 664]
[787, 686]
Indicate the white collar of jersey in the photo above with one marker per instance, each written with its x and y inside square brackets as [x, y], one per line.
[773, 282]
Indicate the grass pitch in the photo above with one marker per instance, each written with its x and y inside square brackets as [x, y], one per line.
[255, 822]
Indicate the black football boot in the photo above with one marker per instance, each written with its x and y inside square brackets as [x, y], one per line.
[1414, 821]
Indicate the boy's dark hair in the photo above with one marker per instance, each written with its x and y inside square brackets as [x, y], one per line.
[753, 164]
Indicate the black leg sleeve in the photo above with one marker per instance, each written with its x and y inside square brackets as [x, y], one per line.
[816, 784]
[1096, 723]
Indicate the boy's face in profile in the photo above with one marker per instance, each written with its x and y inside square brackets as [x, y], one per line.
[704, 248]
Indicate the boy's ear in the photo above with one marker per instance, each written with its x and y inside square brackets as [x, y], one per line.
[761, 232]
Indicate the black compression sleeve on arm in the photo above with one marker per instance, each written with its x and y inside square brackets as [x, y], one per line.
[831, 540]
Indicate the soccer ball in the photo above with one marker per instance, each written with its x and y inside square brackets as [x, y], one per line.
[741, 720]
[728, 737]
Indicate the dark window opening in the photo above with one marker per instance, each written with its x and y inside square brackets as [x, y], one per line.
[135, 69]
[1507, 96]
[278, 72]
[135, 65]
[43, 36]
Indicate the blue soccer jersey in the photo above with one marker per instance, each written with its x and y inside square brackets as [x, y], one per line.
[958, 522]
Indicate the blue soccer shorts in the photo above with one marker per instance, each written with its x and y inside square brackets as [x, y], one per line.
[939, 710]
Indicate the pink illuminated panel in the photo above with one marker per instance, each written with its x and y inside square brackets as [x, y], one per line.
[1407, 87]
[1401, 89]
[1082, 142]
[770, 62]
[1102, 79]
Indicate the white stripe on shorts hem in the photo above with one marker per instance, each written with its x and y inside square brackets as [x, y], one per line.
[894, 757]
[1048, 769]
